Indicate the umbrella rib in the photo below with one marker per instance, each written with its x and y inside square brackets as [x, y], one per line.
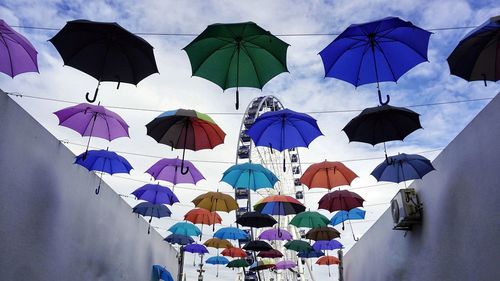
[387, 35]
[273, 55]
[386, 60]
[10, 56]
[228, 45]
[229, 68]
[353, 46]
[253, 65]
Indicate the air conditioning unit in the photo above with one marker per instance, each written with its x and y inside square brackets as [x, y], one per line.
[406, 209]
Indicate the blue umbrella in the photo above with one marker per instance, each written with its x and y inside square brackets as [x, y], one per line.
[185, 228]
[217, 260]
[103, 161]
[353, 214]
[249, 176]
[231, 233]
[161, 273]
[156, 194]
[284, 129]
[151, 210]
[327, 245]
[311, 254]
[179, 239]
[377, 51]
[402, 167]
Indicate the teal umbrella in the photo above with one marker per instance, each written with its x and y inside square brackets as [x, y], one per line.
[249, 176]
[185, 228]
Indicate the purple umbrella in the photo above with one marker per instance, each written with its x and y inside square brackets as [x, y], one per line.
[93, 120]
[170, 170]
[286, 264]
[16, 52]
[327, 245]
[196, 249]
[155, 194]
[275, 234]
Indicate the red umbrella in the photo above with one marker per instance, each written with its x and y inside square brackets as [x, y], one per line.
[234, 253]
[270, 254]
[327, 175]
[328, 260]
[202, 216]
[340, 200]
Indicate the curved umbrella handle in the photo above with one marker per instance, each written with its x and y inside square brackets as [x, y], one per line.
[91, 100]
[98, 189]
[184, 171]
[389, 160]
[380, 98]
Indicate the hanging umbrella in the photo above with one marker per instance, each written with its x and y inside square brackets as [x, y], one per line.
[284, 129]
[156, 194]
[230, 233]
[185, 228]
[402, 167]
[262, 265]
[249, 176]
[377, 51]
[202, 216]
[353, 214]
[105, 51]
[169, 170]
[340, 200]
[218, 243]
[237, 263]
[237, 55]
[215, 201]
[286, 264]
[311, 254]
[327, 175]
[103, 161]
[477, 56]
[179, 239]
[279, 205]
[310, 219]
[151, 210]
[196, 249]
[185, 129]
[327, 245]
[328, 260]
[17, 55]
[275, 234]
[217, 260]
[255, 219]
[93, 121]
[234, 253]
[322, 233]
[299, 246]
[270, 254]
[161, 273]
[257, 246]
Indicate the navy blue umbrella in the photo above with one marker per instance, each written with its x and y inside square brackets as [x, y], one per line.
[311, 254]
[103, 161]
[377, 51]
[179, 239]
[151, 210]
[402, 167]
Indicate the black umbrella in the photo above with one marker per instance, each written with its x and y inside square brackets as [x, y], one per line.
[256, 219]
[105, 51]
[257, 246]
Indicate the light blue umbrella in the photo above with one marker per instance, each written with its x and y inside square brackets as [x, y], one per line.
[353, 214]
[217, 260]
[231, 233]
[161, 273]
[185, 228]
[249, 176]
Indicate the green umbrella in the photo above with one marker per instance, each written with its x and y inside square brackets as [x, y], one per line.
[238, 263]
[237, 55]
[310, 219]
[299, 246]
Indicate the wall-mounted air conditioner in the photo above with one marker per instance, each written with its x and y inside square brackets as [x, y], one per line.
[406, 209]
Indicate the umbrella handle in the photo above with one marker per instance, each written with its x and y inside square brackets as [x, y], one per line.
[484, 80]
[182, 168]
[237, 104]
[119, 81]
[92, 100]
[380, 98]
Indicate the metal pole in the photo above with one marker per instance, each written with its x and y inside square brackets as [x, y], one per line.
[341, 265]
[200, 275]
[181, 264]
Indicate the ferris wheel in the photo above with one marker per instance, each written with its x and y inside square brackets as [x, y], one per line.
[289, 180]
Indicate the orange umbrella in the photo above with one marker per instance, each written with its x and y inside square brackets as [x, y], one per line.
[234, 252]
[327, 175]
[328, 260]
[202, 216]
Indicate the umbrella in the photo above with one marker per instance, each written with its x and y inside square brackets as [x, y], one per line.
[202, 216]
[105, 51]
[93, 120]
[310, 219]
[218, 243]
[311, 254]
[262, 264]
[196, 249]
[257, 246]
[477, 56]
[156, 194]
[234, 253]
[299, 246]
[353, 214]
[185, 228]
[284, 129]
[161, 273]
[328, 260]
[217, 260]
[103, 161]
[270, 254]
[237, 55]
[230, 233]
[340, 200]
[237, 263]
[280, 205]
[322, 233]
[275, 234]
[286, 264]
[256, 219]
[185, 129]
[402, 167]
[215, 201]
[179, 239]
[16, 53]
[377, 51]
[249, 176]
[151, 210]
[327, 175]
[169, 170]
[327, 245]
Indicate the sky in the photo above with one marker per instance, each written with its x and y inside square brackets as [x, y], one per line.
[303, 89]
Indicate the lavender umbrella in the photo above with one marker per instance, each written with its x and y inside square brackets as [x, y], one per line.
[16, 52]
[275, 234]
[155, 194]
[170, 170]
[286, 264]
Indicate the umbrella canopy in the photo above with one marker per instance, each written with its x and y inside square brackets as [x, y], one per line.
[257, 246]
[196, 249]
[279, 205]
[237, 55]
[275, 234]
[155, 194]
[234, 253]
[270, 254]
[311, 254]
[327, 245]
[310, 219]
[299, 246]
[328, 260]
[17, 55]
[402, 167]
[185, 228]
[216, 201]
[169, 170]
[105, 51]
[238, 263]
[179, 239]
[161, 273]
[230, 233]
[340, 200]
[218, 243]
[353, 214]
[322, 233]
[185, 129]
[377, 51]
[477, 56]
[262, 264]
[217, 260]
[286, 264]
[152, 210]
[327, 175]
[249, 176]
[256, 219]
[202, 216]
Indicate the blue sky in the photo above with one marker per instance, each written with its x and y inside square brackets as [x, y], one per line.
[303, 89]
